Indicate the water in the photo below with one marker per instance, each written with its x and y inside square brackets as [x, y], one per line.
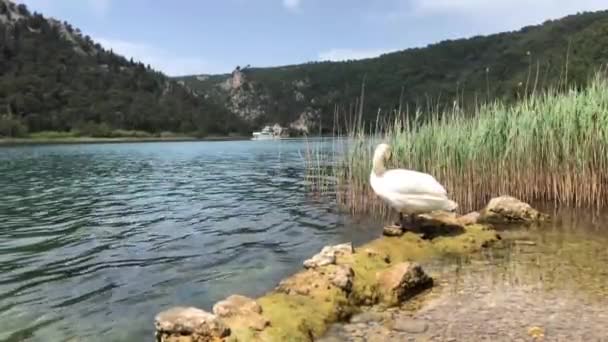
[96, 239]
[551, 280]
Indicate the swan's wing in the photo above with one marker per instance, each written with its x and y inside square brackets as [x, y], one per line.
[412, 182]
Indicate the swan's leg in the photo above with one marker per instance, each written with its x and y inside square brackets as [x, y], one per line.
[400, 222]
[409, 225]
[415, 222]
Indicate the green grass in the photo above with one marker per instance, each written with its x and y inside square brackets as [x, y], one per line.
[551, 146]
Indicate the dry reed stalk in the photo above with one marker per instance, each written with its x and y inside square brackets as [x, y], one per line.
[551, 146]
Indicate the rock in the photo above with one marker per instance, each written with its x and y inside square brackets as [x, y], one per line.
[236, 305]
[402, 281]
[328, 254]
[372, 253]
[507, 210]
[342, 277]
[409, 325]
[469, 219]
[317, 281]
[241, 311]
[438, 223]
[179, 322]
[367, 317]
[392, 231]
[320, 260]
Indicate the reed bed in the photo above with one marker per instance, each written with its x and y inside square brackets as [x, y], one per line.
[550, 147]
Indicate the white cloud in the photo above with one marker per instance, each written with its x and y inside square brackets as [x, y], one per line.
[292, 5]
[170, 63]
[350, 54]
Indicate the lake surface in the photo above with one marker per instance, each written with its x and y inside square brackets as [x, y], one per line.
[97, 239]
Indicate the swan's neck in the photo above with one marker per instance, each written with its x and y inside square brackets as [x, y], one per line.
[378, 166]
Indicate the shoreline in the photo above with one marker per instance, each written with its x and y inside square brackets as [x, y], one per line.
[91, 140]
[6, 142]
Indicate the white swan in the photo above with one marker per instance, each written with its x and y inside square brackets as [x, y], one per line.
[408, 192]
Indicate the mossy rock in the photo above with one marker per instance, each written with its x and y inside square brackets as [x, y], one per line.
[303, 306]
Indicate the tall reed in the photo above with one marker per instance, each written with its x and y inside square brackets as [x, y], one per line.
[550, 146]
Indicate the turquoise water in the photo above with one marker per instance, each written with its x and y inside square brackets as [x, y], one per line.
[96, 239]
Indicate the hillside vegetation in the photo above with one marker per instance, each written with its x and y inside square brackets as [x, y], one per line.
[502, 66]
[53, 78]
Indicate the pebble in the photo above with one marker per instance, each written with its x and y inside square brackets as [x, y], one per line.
[409, 325]
[367, 317]
[392, 231]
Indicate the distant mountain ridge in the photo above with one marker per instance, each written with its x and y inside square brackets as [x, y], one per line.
[494, 66]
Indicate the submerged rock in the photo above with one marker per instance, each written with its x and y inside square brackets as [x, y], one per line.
[409, 325]
[367, 317]
[241, 311]
[508, 210]
[189, 324]
[328, 254]
[402, 281]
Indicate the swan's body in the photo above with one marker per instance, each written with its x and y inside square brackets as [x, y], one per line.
[408, 192]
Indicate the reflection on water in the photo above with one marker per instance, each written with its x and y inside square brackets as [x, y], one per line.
[96, 239]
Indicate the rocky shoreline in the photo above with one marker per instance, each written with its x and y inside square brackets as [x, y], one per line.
[340, 281]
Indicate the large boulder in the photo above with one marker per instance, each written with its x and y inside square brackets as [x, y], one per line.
[509, 210]
[189, 324]
[237, 310]
[328, 255]
[401, 282]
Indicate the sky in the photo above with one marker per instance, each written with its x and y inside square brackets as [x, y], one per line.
[183, 37]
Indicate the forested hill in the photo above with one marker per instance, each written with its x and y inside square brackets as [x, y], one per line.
[54, 78]
[498, 65]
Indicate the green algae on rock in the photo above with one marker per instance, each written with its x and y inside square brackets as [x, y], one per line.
[339, 280]
[302, 306]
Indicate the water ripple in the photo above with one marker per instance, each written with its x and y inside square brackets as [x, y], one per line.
[96, 231]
